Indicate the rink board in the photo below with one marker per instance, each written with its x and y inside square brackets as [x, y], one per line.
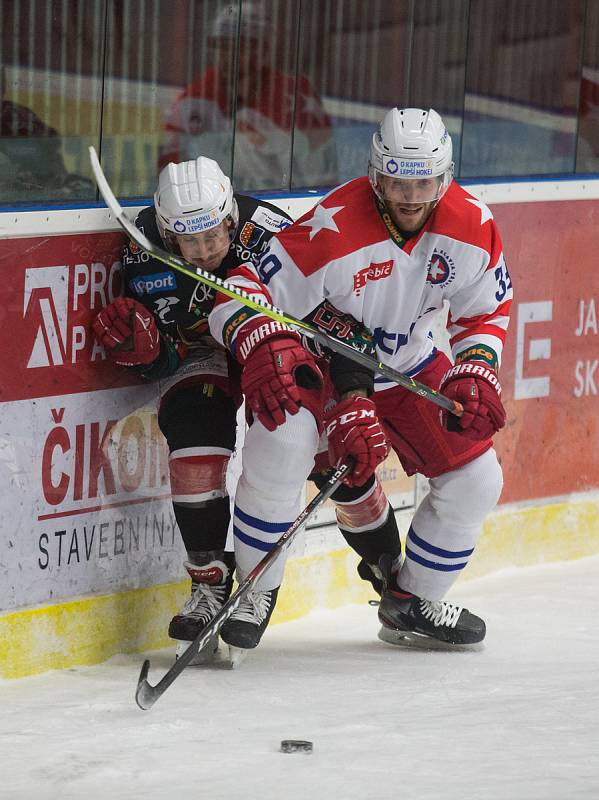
[91, 629]
[90, 560]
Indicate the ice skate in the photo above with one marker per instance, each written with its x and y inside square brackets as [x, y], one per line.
[210, 588]
[244, 629]
[410, 620]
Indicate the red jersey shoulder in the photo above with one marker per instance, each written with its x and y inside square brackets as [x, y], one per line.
[463, 217]
[344, 221]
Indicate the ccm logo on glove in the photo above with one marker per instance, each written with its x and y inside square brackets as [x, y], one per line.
[351, 416]
[477, 388]
[354, 432]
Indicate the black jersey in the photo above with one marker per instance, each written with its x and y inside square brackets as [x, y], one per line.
[180, 304]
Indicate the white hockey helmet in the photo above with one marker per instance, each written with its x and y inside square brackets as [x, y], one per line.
[193, 197]
[412, 144]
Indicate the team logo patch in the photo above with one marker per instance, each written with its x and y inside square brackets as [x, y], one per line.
[440, 268]
[478, 352]
[373, 272]
[251, 235]
[134, 248]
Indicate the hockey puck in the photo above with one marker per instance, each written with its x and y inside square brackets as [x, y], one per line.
[295, 746]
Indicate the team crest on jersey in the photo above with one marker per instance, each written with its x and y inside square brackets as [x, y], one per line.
[134, 248]
[251, 235]
[440, 268]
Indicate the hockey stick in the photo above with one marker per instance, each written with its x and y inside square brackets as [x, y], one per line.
[146, 694]
[257, 304]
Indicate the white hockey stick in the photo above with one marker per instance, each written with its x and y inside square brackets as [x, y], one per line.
[258, 304]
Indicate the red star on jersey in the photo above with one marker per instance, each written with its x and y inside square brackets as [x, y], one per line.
[322, 219]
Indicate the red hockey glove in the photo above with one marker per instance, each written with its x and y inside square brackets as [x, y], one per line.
[128, 332]
[353, 429]
[477, 388]
[272, 355]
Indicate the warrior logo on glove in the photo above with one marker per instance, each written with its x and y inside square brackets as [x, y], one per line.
[273, 360]
[477, 388]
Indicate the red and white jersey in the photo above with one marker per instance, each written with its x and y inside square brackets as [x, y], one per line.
[343, 251]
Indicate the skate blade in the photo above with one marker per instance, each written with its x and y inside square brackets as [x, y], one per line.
[207, 655]
[237, 656]
[422, 642]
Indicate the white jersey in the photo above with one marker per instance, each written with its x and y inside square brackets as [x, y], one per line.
[347, 251]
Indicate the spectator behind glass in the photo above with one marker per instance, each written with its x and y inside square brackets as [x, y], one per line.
[31, 164]
[268, 104]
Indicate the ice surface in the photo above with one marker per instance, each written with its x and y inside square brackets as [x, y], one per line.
[518, 720]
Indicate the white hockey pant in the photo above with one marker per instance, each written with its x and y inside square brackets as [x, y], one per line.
[447, 525]
[275, 466]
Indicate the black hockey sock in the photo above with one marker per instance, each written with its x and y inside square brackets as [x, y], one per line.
[371, 545]
[205, 527]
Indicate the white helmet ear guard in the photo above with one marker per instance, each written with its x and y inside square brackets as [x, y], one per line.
[411, 144]
[193, 197]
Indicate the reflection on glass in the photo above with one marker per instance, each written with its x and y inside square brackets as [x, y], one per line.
[287, 93]
[247, 100]
[364, 58]
[47, 71]
[199, 121]
[587, 152]
[521, 87]
[148, 46]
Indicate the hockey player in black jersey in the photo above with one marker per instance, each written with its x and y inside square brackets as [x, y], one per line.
[159, 329]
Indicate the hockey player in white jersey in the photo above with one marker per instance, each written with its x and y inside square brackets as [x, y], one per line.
[388, 249]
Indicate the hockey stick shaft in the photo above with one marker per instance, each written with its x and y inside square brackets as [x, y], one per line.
[146, 694]
[258, 304]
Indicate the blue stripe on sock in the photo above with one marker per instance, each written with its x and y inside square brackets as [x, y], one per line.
[434, 564]
[260, 524]
[437, 551]
[258, 544]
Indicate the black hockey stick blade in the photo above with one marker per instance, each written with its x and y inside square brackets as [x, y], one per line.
[258, 304]
[146, 694]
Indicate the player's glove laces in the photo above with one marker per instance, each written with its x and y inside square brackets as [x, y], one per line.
[477, 388]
